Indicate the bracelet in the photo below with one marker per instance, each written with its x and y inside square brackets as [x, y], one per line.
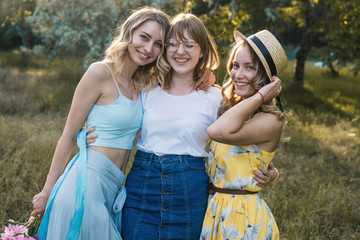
[277, 176]
[262, 96]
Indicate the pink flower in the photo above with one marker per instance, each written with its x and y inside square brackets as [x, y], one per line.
[7, 235]
[15, 232]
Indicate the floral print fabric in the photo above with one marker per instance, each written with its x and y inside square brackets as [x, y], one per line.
[237, 216]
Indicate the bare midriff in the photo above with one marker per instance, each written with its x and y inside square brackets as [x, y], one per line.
[118, 156]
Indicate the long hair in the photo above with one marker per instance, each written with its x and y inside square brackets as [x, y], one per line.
[198, 32]
[152, 73]
[260, 79]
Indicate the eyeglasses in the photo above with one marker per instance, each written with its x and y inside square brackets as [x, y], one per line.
[172, 45]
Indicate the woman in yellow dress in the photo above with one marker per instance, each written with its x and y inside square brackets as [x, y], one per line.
[244, 137]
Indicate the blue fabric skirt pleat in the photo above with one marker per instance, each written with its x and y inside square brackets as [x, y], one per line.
[86, 202]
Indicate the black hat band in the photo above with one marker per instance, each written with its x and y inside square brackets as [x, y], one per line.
[265, 53]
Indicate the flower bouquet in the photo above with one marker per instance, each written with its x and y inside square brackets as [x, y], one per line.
[22, 231]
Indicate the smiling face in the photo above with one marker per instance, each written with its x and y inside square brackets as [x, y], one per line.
[242, 72]
[146, 44]
[184, 59]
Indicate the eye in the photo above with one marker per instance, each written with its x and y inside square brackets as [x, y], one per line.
[251, 68]
[189, 45]
[172, 43]
[158, 44]
[235, 65]
[143, 37]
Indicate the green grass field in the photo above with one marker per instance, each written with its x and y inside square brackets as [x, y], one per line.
[316, 197]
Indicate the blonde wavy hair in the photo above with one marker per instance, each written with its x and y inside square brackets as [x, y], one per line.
[198, 32]
[153, 73]
[260, 79]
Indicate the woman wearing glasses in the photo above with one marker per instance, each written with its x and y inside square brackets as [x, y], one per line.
[167, 184]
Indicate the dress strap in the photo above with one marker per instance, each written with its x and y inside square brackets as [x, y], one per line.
[112, 74]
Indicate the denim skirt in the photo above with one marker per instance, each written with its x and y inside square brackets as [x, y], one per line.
[166, 197]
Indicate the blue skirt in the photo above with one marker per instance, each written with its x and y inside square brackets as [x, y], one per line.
[103, 203]
[166, 197]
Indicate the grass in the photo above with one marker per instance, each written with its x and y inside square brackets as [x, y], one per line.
[316, 197]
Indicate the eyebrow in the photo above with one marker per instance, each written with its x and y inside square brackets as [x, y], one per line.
[146, 34]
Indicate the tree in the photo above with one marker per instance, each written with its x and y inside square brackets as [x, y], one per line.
[74, 28]
[331, 25]
[342, 36]
[14, 30]
[310, 17]
[83, 28]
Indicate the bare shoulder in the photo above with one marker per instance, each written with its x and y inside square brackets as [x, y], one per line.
[97, 72]
[99, 69]
[270, 120]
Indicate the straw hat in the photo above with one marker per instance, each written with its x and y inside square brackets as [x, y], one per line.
[268, 49]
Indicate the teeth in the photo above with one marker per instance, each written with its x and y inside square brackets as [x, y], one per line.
[241, 84]
[181, 60]
[143, 55]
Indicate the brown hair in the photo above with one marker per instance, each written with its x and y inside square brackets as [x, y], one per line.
[198, 32]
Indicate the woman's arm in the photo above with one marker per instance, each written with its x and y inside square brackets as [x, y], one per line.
[233, 127]
[86, 95]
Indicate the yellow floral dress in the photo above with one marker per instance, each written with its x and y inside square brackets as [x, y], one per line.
[237, 216]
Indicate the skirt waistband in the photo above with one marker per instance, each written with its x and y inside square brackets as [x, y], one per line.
[167, 157]
[103, 165]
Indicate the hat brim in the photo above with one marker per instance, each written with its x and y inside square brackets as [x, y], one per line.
[240, 37]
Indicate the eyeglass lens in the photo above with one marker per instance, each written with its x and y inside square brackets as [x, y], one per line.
[173, 44]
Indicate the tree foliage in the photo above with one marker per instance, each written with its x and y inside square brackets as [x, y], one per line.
[330, 26]
[84, 27]
[14, 30]
[74, 28]
[341, 36]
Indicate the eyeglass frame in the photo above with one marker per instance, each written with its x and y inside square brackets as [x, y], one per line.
[181, 42]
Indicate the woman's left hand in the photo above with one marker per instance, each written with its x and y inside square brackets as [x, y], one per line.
[266, 176]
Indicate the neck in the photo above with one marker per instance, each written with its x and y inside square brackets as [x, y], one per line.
[128, 72]
[181, 84]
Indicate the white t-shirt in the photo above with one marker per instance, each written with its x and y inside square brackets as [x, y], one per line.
[177, 124]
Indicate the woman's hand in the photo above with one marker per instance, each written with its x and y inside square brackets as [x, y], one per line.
[266, 176]
[272, 89]
[39, 204]
[90, 138]
[206, 80]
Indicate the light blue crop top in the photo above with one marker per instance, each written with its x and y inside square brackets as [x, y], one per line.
[116, 124]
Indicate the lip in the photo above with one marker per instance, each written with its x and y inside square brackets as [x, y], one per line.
[241, 84]
[181, 61]
[143, 56]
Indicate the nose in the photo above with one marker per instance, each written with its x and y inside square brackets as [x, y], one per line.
[148, 47]
[181, 48]
[240, 72]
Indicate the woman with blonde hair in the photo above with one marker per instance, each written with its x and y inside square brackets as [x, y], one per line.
[244, 137]
[85, 202]
[167, 184]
